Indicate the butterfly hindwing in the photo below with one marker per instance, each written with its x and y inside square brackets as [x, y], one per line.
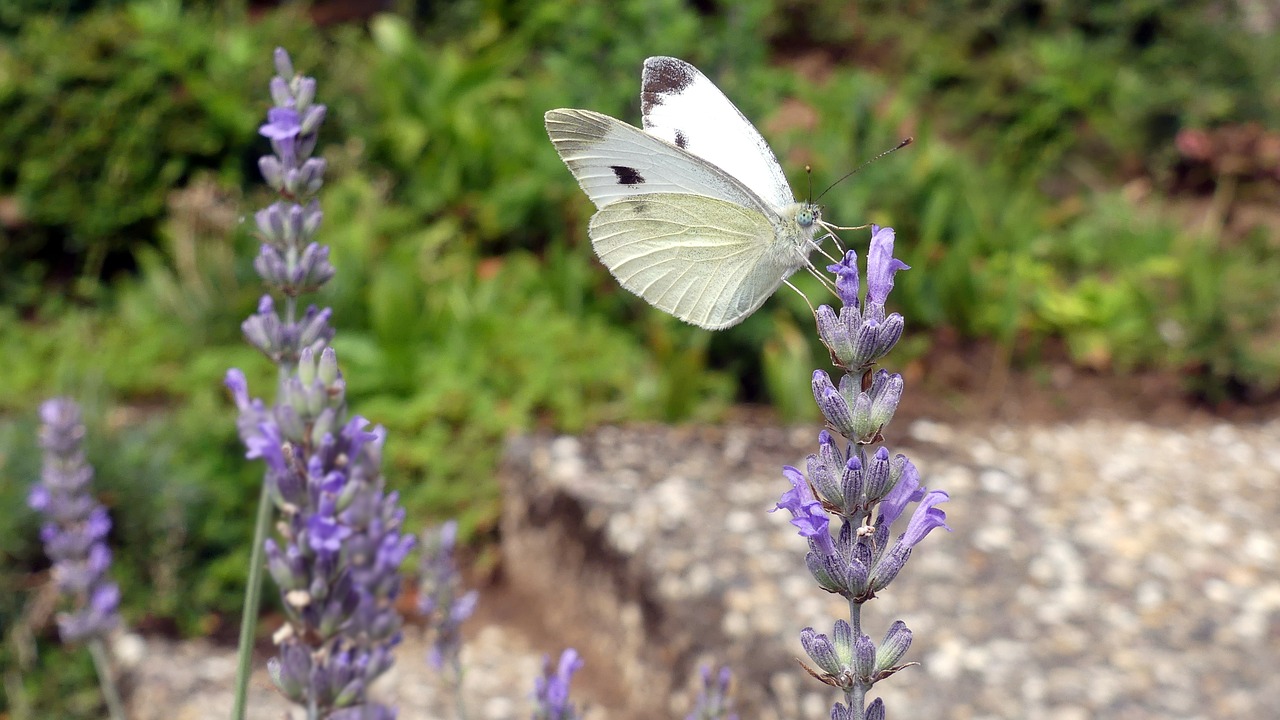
[707, 261]
[680, 105]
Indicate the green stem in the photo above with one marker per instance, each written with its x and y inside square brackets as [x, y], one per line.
[109, 692]
[458, 696]
[856, 697]
[252, 599]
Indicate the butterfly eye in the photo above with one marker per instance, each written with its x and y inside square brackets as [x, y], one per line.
[807, 216]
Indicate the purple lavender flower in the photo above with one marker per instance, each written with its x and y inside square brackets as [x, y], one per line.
[856, 484]
[861, 333]
[340, 543]
[551, 691]
[441, 599]
[713, 698]
[75, 527]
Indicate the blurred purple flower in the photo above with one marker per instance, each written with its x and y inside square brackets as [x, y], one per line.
[76, 526]
[713, 697]
[551, 691]
[441, 598]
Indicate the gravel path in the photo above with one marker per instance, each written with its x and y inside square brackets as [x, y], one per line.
[1100, 569]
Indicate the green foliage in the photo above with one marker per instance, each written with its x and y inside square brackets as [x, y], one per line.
[106, 115]
[1068, 92]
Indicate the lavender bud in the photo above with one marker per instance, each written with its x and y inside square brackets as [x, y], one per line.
[875, 711]
[890, 565]
[895, 645]
[284, 67]
[271, 266]
[818, 568]
[304, 92]
[834, 333]
[878, 480]
[853, 486]
[864, 657]
[307, 371]
[843, 642]
[833, 405]
[313, 270]
[820, 475]
[271, 222]
[890, 332]
[821, 651]
[272, 172]
[327, 370]
[314, 327]
[312, 215]
[314, 114]
[886, 392]
[291, 671]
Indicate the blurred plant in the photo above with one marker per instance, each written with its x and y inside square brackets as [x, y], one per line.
[551, 691]
[713, 701]
[92, 148]
[857, 486]
[1070, 92]
[74, 531]
[342, 544]
[444, 605]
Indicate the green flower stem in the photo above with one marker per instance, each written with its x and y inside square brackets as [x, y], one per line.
[252, 599]
[856, 697]
[115, 708]
[459, 697]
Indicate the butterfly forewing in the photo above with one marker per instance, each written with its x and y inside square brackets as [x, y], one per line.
[613, 160]
[680, 105]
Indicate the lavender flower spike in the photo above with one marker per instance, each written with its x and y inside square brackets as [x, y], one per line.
[74, 534]
[713, 699]
[551, 691]
[862, 485]
[340, 542]
[76, 526]
[441, 599]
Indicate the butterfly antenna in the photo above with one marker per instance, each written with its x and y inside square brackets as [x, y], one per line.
[808, 173]
[849, 174]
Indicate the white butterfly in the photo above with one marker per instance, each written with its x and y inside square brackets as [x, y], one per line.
[695, 214]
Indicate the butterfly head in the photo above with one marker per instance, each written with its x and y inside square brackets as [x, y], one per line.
[808, 215]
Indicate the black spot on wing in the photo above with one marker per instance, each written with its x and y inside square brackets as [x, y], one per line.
[682, 142]
[663, 76]
[627, 175]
